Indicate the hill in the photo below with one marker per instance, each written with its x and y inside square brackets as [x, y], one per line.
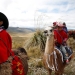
[20, 30]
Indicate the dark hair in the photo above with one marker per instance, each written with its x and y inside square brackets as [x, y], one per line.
[4, 19]
[64, 23]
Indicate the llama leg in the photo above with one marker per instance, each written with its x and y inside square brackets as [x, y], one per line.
[58, 73]
[61, 74]
[49, 72]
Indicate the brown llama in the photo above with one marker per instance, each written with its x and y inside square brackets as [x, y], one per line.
[5, 68]
[53, 58]
[71, 33]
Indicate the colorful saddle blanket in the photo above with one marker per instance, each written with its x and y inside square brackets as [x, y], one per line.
[17, 67]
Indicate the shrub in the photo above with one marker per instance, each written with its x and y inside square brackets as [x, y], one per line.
[38, 39]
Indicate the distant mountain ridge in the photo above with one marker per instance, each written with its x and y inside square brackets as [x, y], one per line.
[20, 30]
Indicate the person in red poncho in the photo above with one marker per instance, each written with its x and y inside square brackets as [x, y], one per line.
[60, 39]
[5, 46]
[6, 50]
[5, 39]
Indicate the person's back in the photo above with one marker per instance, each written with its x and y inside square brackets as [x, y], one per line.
[64, 27]
[60, 36]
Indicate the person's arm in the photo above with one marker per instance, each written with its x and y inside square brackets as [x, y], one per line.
[55, 36]
[65, 36]
[66, 30]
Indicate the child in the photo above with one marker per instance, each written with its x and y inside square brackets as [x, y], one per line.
[60, 39]
[64, 27]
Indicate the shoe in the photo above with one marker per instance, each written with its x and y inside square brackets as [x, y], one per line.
[67, 61]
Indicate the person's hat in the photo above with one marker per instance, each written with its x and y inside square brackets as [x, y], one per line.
[59, 24]
[54, 23]
[4, 19]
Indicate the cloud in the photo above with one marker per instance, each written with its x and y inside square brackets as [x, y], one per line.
[34, 13]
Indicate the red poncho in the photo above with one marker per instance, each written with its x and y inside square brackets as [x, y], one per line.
[60, 36]
[5, 45]
[5, 50]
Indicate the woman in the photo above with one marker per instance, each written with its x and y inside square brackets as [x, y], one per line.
[5, 46]
[5, 39]
[7, 56]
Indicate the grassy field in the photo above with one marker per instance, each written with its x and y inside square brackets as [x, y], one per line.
[35, 53]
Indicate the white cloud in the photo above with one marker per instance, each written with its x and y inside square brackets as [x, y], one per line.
[28, 13]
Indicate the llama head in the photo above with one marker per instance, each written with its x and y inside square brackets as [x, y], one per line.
[48, 31]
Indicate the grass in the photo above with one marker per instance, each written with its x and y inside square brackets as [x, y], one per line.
[38, 39]
[34, 44]
[18, 42]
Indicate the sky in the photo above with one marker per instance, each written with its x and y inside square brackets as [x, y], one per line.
[38, 13]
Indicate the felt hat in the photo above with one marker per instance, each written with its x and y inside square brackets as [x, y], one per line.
[4, 19]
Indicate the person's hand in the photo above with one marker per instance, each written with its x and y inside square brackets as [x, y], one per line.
[65, 40]
[64, 43]
[55, 40]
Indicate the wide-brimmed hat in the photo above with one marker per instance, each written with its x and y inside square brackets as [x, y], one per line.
[4, 19]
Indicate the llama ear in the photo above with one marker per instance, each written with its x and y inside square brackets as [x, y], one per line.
[51, 28]
[54, 27]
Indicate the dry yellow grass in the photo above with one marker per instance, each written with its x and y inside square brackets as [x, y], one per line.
[35, 55]
[18, 39]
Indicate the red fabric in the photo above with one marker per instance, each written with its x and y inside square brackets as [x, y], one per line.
[4, 52]
[54, 23]
[58, 37]
[17, 67]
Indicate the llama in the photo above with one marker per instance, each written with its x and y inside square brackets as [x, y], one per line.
[53, 58]
[6, 69]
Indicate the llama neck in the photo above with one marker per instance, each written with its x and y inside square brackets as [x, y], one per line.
[49, 45]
